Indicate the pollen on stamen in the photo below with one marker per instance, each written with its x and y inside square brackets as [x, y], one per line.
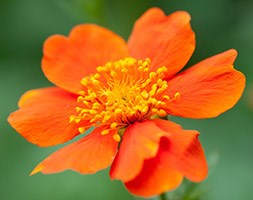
[105, 132]
[117, 137]
[114, 125]
[161, 113]
[81, 129]
[120, 93]
[177, 95]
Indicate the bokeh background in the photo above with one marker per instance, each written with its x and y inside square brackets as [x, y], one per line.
[228, 140]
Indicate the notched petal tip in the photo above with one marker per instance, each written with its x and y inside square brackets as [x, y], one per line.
[67, 59]
[174, 39]
[43, 117]
[156, 11]
[184, 15]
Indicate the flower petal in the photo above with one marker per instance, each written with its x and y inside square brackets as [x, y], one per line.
[186, 149]
[87, 155]
[68, 59]
[180, 154]
[43, 117]
[207, 89]
[167, 40]
[140, 141]
[157, 175]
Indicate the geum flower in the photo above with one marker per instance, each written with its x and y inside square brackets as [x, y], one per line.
[123, 90]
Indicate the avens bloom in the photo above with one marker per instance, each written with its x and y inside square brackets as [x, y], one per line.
[123, 90]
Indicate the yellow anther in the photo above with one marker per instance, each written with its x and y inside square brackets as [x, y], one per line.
[152, 93]
[161, 113]
[121, 92]
[125, 70]
[165, 68]
[72, 118]
[162, 103]
[145, 83]
[138, 98]
[106, 118]
[117, 66]
[88, 98]
[93, 112]
[158, 102]
[85, 110]
[85, 102]
[85, 81]
[152, 75]
[148, 60]
[146, 69]
[114, 125]
[108, 65]
[95, 105]
[95, 82]
[140, 62]
[140, 69]
[132, 112]
[144, 94]
[78, 109]
[161, 70]
[80, 99]
[144, 109]
[117, 137]
[166, 97]
[154, 86]
[98, 117]
[105, 132]
[154, 110]
[81, 93]
[118, 110]
[145, 64]
[159, 82]
[164, 85]
[92, 120]
[100, 69]
[97, 76]
[160, 90]
[81, 129]
[177, 95]
[93, 95]
[77, 120]
[113, 73]
[152, 101]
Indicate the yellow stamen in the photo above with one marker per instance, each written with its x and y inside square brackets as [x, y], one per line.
[114, 125]
[120, 93]
[177, 95]
[81, 129]
[117, 137]
[105, 132]
[161, 113]
[72, 118]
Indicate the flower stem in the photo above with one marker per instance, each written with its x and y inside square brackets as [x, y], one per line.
[163, 196]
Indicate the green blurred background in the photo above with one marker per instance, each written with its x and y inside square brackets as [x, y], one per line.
[228, 139]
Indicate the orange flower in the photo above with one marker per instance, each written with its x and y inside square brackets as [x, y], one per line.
[123, 90]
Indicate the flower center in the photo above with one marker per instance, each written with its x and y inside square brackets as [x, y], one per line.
[121, 93]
